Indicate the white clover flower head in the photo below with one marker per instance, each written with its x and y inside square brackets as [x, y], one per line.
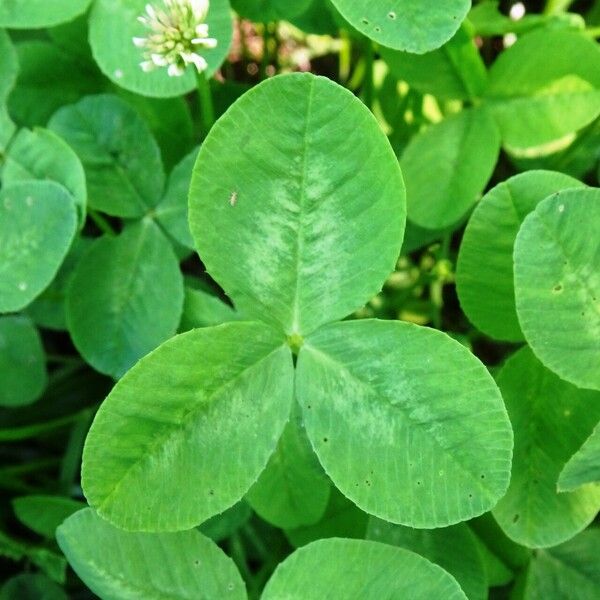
[177, 36]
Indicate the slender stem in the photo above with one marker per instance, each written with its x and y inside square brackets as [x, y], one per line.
[72, 457]
[345, 56]
[368, 88]
[266, 55]
[207, 109]
[103, 225]
[554, 7]
[593, 32]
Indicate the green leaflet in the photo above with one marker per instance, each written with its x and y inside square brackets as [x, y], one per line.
[584, 466]
[171, 213]
[119, 565]
[411, 25]
[114, 24]
[43, 514]
[292, 491]
[551, 419]
[121, 159]
[544, 87]
[37, 225]
[39, 13]
[49, 77]
[286, 232]
[222, 526]
[9, 68]
[570, 570]
[171, 123]
[454, 71]
[557, 284]
[124, 298]
[484, 274]
[265, 11]
[371, 571]
[191, 427]
[452, 548]
[203, 309]
[48, 310]
[31, 586]
[341, 519]
[22, 362]
[42, 155]
[404, 420]
[448, 165]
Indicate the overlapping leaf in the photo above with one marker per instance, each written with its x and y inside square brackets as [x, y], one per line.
[407, 423]
[188, 430]
[277, 227]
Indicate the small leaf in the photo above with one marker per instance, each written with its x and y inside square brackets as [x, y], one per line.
[411, 25]
[114, 24]
[447, 166]
[22, 362]
[35, 14]
[371, 571]
[124, 298]
[31, 586]
[203, 309]
[222, 526]
[584, 466]
[119, 564]
[121, 159]
[299, 186]
[187, 431]
[49, 77]
[452, 548]
[557, 284]
[43, 514]
[341, 519]
[454, 71]
[484, 274]
[567, 571]
[171, 212]
[551, 418]
[292, 491]
[545, 86]
[42, 155]
[38, 221]
[404, 420]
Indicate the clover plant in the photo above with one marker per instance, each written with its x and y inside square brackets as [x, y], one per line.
[300, 299]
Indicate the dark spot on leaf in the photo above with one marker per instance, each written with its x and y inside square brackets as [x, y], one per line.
[391, 15]
[196, 562]
[557, 288]
[368, 483]
[211, 492]
[377, 29]
[418, 483]
[515, 518]
[325, 439]
[365, 21]
[309, 406]
[482, 476]
[470, 495]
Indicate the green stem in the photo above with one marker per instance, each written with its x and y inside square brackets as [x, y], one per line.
[72, 457]
[266, 55]
[345, 57]
[103, 225]
[368, 87]
[207, 109]
[593, 32]
[554, 7]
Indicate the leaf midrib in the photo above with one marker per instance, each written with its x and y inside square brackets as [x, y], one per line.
[185, 419]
